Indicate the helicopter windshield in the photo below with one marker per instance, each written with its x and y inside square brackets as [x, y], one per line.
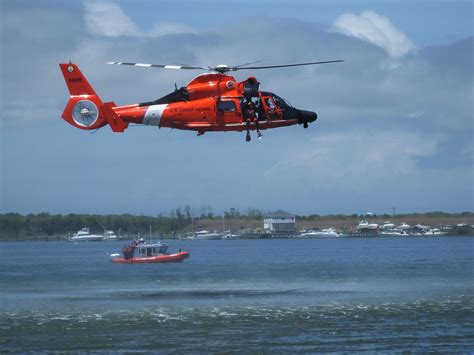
[281, 102]
[272, 102]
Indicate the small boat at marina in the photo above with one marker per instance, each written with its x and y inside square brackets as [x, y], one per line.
[109, 235]
[328, 232]
[228, 236]
[84, 235]
[147, 253]
[387, 226]
[206, 235]
[365, 226]
[434, 231]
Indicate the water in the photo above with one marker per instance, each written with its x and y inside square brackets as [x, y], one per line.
[324, 295]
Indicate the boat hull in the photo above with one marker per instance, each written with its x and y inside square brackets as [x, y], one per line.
[165, 258]
[319, 235]
[89, 238]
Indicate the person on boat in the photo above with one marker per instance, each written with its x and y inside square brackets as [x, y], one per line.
[129, 251]
[126, 252]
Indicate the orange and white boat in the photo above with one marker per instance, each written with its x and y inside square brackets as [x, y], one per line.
[147, 253]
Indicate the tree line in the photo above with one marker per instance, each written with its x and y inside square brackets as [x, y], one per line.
[14, 226]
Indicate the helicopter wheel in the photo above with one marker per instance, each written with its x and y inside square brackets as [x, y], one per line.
[305, 125]
[247, 137]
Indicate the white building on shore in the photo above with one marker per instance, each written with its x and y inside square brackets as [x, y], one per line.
[279, 222]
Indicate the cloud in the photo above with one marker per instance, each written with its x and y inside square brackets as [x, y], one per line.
[376, 29]
[376, 158]
[107, 18]
[170, 28]
[367, 169]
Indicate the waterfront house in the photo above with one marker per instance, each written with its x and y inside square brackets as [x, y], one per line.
[279, 222]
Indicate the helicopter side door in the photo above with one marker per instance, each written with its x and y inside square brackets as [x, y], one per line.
[228, 112]
[271, 110]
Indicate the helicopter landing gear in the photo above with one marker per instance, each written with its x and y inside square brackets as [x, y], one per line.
[247, 137]
[305, 125]
[259, 135]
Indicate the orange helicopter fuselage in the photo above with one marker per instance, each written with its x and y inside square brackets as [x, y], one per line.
[210, 102]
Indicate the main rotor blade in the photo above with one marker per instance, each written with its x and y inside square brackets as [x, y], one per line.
[243, 65]
[287, 65]
[164, 66]
[220, 68]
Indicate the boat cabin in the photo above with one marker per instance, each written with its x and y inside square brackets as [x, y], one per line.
[149, 250]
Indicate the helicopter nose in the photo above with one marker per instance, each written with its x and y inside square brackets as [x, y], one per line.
[306, 116]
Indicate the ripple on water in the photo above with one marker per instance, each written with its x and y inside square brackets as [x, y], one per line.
[443, 324]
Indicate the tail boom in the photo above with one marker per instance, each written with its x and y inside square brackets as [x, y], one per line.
[85, 110]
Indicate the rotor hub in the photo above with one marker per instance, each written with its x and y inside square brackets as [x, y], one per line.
[222, 68]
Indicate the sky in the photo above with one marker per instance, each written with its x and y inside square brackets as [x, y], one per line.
[395, 120]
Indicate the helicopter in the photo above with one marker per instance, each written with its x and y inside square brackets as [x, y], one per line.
[213, 101]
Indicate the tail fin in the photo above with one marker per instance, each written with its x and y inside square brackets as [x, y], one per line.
[76, 82]
[85, 110]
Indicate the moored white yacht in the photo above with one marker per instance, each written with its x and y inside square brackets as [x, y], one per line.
[229, 235]
[84, 235]
[109, 235]
[206, 235]
[387, 226]
[403, 228]
[435, 231]
[328, 232]
[366, 226]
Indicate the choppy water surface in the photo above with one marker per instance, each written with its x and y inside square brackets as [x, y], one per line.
[383, 294]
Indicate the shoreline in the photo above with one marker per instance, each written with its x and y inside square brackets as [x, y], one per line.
[249, 236]
[16, 227]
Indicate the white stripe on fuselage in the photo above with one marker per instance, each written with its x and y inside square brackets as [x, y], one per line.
[153, 115]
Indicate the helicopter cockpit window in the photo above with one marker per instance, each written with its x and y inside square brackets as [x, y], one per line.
[281, 102]
[226, 106]
[270, 103]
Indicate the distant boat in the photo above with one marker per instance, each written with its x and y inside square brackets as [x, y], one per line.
[403, 226]
[109, 235]
[328, 232]
[84, 235]
[366, 226]
[231, 236]
[394, 233]
[206, 235]
[435, 231]
[387, 226]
